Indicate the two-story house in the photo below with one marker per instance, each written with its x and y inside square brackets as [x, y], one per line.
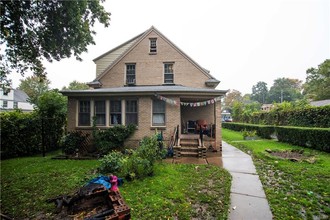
[150, 82]
[12, 99]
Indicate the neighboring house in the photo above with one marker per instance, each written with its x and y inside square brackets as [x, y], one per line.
[150, 82]
[14, 99]
[320, 103]
[267, 107]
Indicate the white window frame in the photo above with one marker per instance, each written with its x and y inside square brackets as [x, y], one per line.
[153, 45]
[154, 113]
[168, 72]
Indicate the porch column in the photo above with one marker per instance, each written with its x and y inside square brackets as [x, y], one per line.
[217, 116]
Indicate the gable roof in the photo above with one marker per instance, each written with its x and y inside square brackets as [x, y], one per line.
[20, 96]
[131, 44]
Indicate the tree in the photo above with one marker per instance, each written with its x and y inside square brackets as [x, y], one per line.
[75, 85]
[285, 89]
[317, 86]
[230, 98]
[33, 30]
[260, 92]
[34, 87]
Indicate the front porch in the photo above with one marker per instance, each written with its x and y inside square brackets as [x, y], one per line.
[193, 145]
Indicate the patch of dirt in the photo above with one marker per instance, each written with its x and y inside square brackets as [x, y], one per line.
[293, 155]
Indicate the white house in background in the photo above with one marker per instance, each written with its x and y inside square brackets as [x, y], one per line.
[14, 99]
[320, 103]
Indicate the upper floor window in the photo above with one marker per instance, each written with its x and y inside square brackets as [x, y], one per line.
[168, 73]
[158, 112]
[115, 112]
[100, 113]
[84, 118]
[131, 112]
[153, 45]
[130, 74]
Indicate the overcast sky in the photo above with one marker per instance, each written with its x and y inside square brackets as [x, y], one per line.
[240, 42]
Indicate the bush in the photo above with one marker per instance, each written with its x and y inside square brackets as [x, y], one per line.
[251, 133]
[20, 134]
[302, 117]
[112, 163]
[72, 141]
[138, 164]
[316, 138]
[112, 138]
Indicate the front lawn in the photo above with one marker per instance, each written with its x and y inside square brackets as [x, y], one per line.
[296, 187]
[175, 191]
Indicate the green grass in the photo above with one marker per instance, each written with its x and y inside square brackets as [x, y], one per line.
[180, 191]
[295, 190]
[175, 191]
[26, 183]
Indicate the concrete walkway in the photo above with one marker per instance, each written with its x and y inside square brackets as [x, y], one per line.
[247, 197]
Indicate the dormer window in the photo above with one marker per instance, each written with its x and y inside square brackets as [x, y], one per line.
[130, 74]
[168, 73]
[153, 45]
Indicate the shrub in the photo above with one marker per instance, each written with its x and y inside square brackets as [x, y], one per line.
[20, 134]
[301, 117]
[136, 167]
[149, 149]
[112, 138]
[112, 163]
[316, 138]
[72, 141]
[251, 133]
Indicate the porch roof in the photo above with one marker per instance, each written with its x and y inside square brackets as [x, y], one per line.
[146, 90]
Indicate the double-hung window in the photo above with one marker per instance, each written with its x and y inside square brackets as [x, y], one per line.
[153, 45]
[100, 112]
[158, 113]
[84, 113]
[5, 104]
[15, 105]
[130, 74]
[115, 112]
[168, 73]
[131, 112]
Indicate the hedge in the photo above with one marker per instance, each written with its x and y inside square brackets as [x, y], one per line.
[316, 138]
[264, 131]
[305, 117]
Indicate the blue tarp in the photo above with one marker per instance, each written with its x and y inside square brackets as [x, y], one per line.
[104, 180]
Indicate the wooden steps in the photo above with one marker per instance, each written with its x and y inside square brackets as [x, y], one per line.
[189, 146]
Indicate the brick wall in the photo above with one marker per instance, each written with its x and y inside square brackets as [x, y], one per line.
[149, 68]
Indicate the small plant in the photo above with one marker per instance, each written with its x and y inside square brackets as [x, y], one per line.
[246, 133]
[112, 162]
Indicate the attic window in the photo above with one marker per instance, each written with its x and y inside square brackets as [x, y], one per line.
[153, 45]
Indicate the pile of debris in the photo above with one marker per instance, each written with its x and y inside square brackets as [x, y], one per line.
[95, 201]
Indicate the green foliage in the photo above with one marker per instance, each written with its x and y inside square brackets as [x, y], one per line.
[247, 133]
[112, 163]
[20, 134]
[301, 117]
[72, 141]
[34, 87]
[75, 85]
[285, 89]
[316, 138]
[264, 131]
[137, 164]
[317, 86]
[36, 30]
[52, 109]
[112, 138]
[260, 92]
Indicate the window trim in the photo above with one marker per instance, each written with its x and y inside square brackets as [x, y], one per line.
[117, 113]
[152, 115]
[79, 121]
[128, 112]
[153, 45]
[100, 113]
[5, 104]
[133, 82]
[165, 73]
